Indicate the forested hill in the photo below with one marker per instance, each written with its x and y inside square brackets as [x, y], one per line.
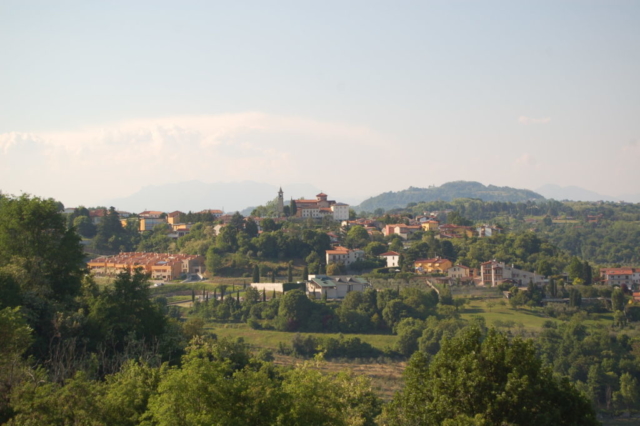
[447, 192]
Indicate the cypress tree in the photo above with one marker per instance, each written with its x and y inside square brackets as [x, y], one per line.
[274, 294]
[256, 274]
[193, 296]
[305, 273]
[264, 295]
[273, 276]
[290, 273]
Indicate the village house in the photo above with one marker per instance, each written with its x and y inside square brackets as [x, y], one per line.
[493, 273]
[459, 271]
[488, 231]
[97, 215]
[430, 225]
[436, 265]
[400, 229]
[334, 287]
[343, 255]
[174, 217]
[455, 231]
[392, 258]
[629, 277]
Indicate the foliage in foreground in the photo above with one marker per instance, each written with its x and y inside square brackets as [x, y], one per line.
[486, 380]
[218, 383]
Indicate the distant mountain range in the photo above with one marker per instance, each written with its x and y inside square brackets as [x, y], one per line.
[575, 193]
[447, 192]
[196, 196]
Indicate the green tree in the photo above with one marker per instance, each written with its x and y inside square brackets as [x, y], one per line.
[357, 237]
[85, 227]
[295, 308]
[491, 380]
[629, 393]
[290, 272]
[256, 274]
[125, 311]
[617, 300]
[213, 261]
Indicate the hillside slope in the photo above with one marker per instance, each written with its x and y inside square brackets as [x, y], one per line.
[447, 192]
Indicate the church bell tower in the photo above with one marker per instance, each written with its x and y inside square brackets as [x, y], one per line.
[280, 202]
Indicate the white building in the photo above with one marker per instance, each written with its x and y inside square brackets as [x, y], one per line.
[392, 258]
[494, 273]
[488, 231]
[344, 255]
[334, 287]
[322, 207]
[340, 211]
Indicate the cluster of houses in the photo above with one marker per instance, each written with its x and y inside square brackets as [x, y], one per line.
[159, 266]
[427, 223]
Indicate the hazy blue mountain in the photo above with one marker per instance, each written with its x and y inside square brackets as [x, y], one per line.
[195, 196]
[630, 198]
[447, 192]
[572, 193]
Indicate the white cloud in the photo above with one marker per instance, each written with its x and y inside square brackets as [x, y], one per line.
[526, 160]
[118, 159]
[530, 120]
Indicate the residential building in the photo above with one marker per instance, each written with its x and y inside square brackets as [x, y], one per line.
[148, 223]
[488, 231]
[334, 287]
[459, 271]
[174, 217]
[629, 277]
[436, 265]
[160, 266]
[151, 214]
[455, 231]
[344, 255]
[392, 258]
[430, 225]
[400, 229]
[97, 215]
[493, 273]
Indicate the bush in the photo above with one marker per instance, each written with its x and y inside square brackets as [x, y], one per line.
[253, 324]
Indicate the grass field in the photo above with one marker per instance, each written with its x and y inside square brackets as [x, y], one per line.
[386, 378]
[271, 339]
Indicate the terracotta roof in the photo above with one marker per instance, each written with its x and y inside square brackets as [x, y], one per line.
[390, 253]
[322, 194]
[620, 271]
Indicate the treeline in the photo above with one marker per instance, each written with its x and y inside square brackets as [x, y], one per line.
[360, 312]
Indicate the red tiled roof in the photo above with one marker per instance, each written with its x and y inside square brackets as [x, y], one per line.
[390, 253]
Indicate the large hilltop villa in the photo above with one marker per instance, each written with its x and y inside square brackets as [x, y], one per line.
[318, 208]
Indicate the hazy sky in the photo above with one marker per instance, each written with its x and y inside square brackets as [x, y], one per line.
[101, 98]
